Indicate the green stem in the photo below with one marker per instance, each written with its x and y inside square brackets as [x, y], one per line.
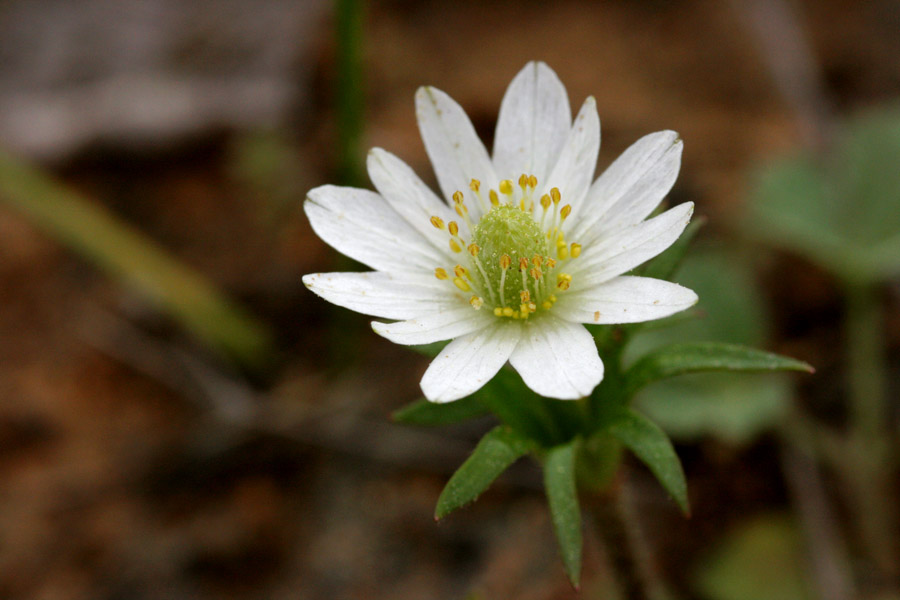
[349, 92]
[870, 467]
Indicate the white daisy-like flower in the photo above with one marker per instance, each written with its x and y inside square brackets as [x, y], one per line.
[522, 252]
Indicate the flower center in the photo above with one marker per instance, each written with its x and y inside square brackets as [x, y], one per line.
[515, 260]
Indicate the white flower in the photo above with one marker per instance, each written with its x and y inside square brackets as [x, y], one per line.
[524, 250]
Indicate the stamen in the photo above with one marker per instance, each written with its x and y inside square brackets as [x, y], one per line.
[454, 246]
[458, 197]
[506, 187]
[576, 250]
[441, 274]
[462, 284]
[474, 185]
[454, 228]
[555, 195]
[437, 222]
[476, 302]
[532, 181]
[473, 249]
[495, 200]
[565, 212]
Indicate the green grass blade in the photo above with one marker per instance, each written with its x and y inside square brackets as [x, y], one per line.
[137, 260]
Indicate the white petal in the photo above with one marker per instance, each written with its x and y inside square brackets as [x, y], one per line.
[632, 186]
[557, 359]
[574, 170]
[384, 295]
[534, 121]
[628, 248]
[456, 153]
[360, 224]
[625, 299]
[468, 362]
[409, 196]
[447, 322]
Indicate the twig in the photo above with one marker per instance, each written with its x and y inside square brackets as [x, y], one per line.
[827, 551]
[790, 61]
[631, 555]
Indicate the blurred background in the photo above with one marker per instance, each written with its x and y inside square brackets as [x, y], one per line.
[181, 418]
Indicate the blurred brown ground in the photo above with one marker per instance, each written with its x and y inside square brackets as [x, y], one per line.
[124, 472]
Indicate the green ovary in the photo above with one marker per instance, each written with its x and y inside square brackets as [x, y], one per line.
[507, 230]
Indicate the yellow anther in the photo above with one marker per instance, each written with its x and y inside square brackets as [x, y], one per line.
[437, 222]
[507, 311]
[561, 239]
[523, 263]
[562, 252]
[575, 250]
[461, 284]
[498, 312]
[476, 302]
[523, 310]
[525, 296]
[564, 277]
[454, 246]
[515, 314]
[565, 212]
[563, 285]
[475, 185]
[461, 210]
[461, 271]
[550, 263]
[545, 201]
[552, 297]
[523, 181]
[532, 181]
[546, 305]
[453, 227]
[532, 307]
[505, 262]
[536, 273]
[473, 249]
[495, 201]
[440, 273]
[506, 187]
[537, 259]
[458, 197]
[555, 195]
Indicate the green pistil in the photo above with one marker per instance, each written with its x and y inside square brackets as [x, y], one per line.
[513, 232]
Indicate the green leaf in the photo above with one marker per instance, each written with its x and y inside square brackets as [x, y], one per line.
[665, 265]
[732, 310]
[652, 446]
[496, 451]
[425, 413]
[839, 210]
[562, 496]
[733, 409]
[693, 357]
[760, 558]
